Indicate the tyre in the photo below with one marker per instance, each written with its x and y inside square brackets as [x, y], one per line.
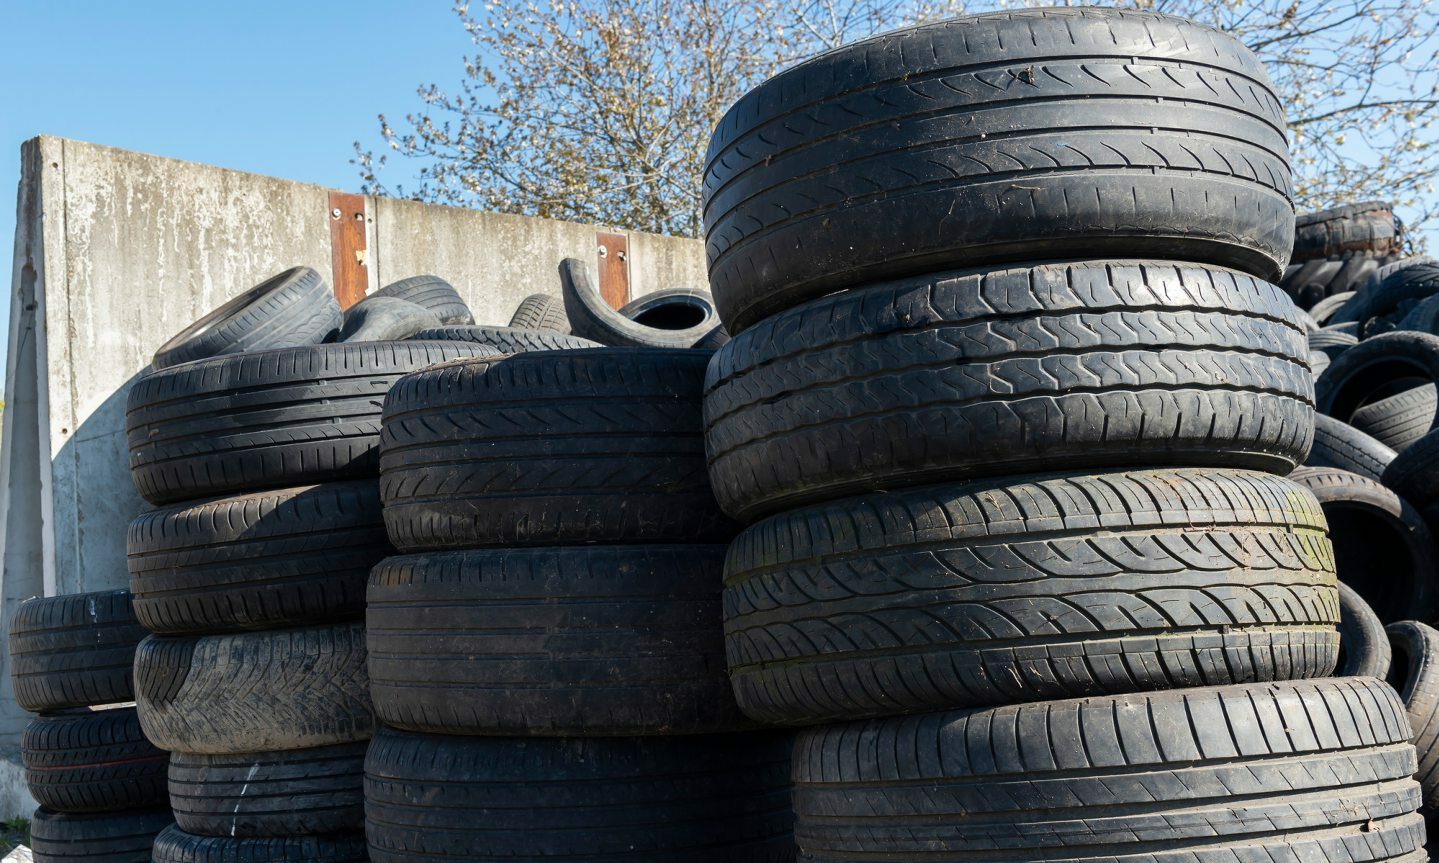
[291, 309]
[1400, 419]
[1393, 298]
[508, 340]
[1014, 136]
[1318, 362]
[433, 293]
[1414, 473]
[1340, 445]
[1415, 674]
[1389, 269]
[258, 561]
[74, 651]
[92, 761]
[1312, 282]
[1325, 308]
[1025, 589]
[382, 319]
[255, 692]
[1331, 343]
[1363, 645]
[705, 799]
[541, 312]
[677, 309]
[1367, 227]
[177, 846]
[996, 372]
[549, 448]
[578, 641]
[1323, 765]
[1375, 369]
[267, 420]
[591, 317]
[1423, 317]
[302, 792]
[1382, 547]
[108, 837]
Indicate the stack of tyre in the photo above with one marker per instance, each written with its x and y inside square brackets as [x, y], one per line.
[1007, 407]
[99, 782]
[1339, 250]
[257, 442]
[547, 656]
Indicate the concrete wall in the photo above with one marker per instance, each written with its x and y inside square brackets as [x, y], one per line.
[117, 251]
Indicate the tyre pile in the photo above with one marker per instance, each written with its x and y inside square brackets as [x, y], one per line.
[1339, 250]
[1007, 408]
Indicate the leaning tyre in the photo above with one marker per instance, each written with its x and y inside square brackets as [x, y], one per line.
[1415, 674]
[541, 312]
[109, 837]
[271, 419]
[255, 692]
[258, 561]
[1414, 473]
[1363, 644]
[1021, 590]
[301, 792]
[177, 846]
[1400, 419]
[92, 761]
[74, 651]
[996, 138]
[1324, 765]
[381, 319]
[586, 640]
[699, 799]
[433, 293]
[996, 372]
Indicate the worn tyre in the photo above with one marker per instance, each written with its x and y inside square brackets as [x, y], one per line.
[380, 318]
[1340, 445]
[589, 640]
[1375, 369]
[302, 792]
[1013, 136]
[1391, 299]
[1331, 343]
[1367, 227]
[541, 312]
[107, 837]
[291, 309]
[74, 651]
[1382, 547]
[177, 846]
[699, 799]
[271, 419]
[590, 316]
[1415, 674]
[1324, 767]
[255, 692]
[258, 561]
[433, 293]
[1025, 589]
[1323, 310]
[1363, 645]
[993, 372]
[1414, 473]
[92, 761]
[1401, 419]
[549, 448]
[508, 340]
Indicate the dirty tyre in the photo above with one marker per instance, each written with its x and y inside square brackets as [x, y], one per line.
[92, 761]
[1363, 645]
[1374, 369]
[997, 138]
[258, 561]
[1400, 419]
[1325, 766]
[267, 420]
[589, 640]
[591, 317]
[1331, 343]
[1414, 672]
[541, 312]
[1323, 310]
[379, 319]
[433, 293]
[707, 799]
[74, 651]
[995, 372]
[302, 792]
[1382, 547]
[1367, 227]
[255, 692]
[1008, 590]
[1340, 445]
[291, 309]
[508, 340]
[549, 448]
[177, 846]
[1391, 299]
[109, 837]
[1414, 473]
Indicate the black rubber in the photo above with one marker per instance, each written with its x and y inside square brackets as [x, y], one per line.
[1389, 269]
[995, 372]
[1325, 308]
[108, 837]
[1340, 445]
[1363, 645]
[679, 309]
[1423, 316]
[1318, 362]
[1415, 674]
[177, 846]
[696, 799]
[256, 691]
[257, 561]
[1401, 419]
[74, 651]
[591, 317]
[92, 761]
[549, 448]
[302, 792]
[1375, 369]
[1382, 547]
[1391, 299]
[541, 312]
[1367, 227]
[1015, 136]
[291, 309]
[268, 420]
[433, 293]
[577, 641]
[1414, 473]
[380, 319]
[1331, 343]
[508, 340]
[1287, 771]
[1314, 283]
[1030, 588]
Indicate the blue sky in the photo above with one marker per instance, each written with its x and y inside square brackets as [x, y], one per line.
[274, 88]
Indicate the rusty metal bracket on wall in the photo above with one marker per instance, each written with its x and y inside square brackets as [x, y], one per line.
[348, 252]
[614, 268]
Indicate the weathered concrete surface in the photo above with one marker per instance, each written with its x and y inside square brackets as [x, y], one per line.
[15, 799]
